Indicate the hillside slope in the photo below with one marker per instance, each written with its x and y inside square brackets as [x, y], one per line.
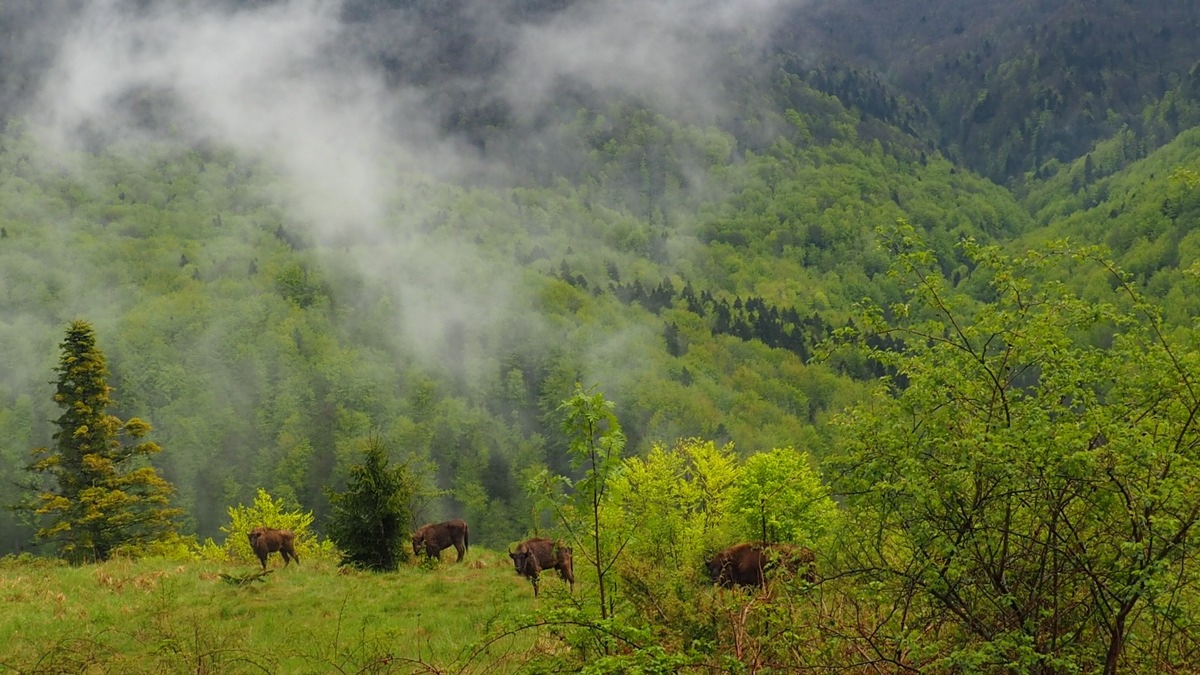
[274, 283]
[1006, 86]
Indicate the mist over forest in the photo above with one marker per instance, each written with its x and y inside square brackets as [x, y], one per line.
[299, 223]
[907, 289]
[358, 122]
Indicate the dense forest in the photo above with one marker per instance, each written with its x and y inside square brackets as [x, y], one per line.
[296, 226]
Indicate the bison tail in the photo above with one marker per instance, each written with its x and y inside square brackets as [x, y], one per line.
[467, 537]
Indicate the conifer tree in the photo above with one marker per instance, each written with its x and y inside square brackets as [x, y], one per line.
[104, 494]
[372, 516]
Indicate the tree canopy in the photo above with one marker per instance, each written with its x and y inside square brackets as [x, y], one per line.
[1030, 489]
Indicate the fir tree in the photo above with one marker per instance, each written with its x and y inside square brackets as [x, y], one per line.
[104, 494]
[372, 516]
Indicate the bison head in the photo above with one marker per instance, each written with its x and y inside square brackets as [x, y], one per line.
[518, 557]
[715, 565]
[564, 554]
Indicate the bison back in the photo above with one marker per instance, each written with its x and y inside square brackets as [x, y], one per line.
[738, 565]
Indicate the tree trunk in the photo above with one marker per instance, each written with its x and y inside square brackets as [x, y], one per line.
[1116, 640]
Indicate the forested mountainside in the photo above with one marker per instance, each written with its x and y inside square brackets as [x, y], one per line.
[1007, 90]
[687, 250]
[909, 285]
[257, 348]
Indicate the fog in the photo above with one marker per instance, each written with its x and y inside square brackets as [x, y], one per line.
[361, 111]
[341, 97]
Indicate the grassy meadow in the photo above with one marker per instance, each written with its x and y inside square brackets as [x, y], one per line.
[160, 616]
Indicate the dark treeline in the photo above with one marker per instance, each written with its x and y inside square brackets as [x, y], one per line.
[750, 318]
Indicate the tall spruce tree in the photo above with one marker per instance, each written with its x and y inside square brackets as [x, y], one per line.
[104, 494]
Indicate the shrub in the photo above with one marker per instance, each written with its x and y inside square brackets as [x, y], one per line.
[265, 512]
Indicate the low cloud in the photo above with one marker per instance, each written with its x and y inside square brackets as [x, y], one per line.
[342, 96]
[670, 52]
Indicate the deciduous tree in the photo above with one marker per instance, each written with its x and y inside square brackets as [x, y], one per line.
[779, 497]
[1029, 500]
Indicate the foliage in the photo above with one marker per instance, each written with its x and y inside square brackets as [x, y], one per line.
[174, 546]
[105, 495]
[1031, 494]
[676, 505]
[371, 519]
[677, 501]
[779, 497]
[595, 446]
[584, 643]
[266, 511]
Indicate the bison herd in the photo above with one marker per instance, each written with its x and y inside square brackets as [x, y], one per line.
[746, 564]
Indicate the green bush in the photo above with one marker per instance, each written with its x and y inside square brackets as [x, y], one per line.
[779, 497]
[173, 546]
[266, 512]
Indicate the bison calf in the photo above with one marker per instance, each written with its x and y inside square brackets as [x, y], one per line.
[434, 537]
[534, 555]
[266, 540]
[748, 564]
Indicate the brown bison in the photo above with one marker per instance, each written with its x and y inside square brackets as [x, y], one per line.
[534, 555]
[748, 564]
[266, 540]
[434, 537]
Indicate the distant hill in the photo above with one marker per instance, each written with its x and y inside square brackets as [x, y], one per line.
[1006, 86]
[1003, 88]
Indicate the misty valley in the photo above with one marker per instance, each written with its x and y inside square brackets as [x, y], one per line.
[403, 336]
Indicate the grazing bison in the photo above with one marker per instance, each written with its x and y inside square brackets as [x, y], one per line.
[534, 555]
[747, 564]
[434, 537]
[266, 540]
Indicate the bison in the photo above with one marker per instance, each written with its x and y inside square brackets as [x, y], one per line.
[534, 555]
[434, 537]
[747, 564]
[266, 540]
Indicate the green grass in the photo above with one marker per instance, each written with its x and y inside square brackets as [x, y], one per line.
[156, 616]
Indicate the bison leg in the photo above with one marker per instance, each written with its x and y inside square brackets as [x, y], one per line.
[459, 547]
